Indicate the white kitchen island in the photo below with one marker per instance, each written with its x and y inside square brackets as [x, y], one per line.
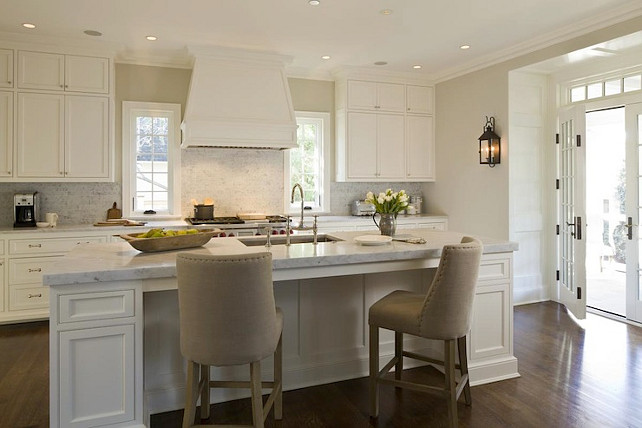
[114, 332]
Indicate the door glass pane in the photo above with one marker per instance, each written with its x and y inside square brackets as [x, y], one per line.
[605, 207]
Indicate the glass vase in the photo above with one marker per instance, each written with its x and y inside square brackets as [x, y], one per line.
[387, 223]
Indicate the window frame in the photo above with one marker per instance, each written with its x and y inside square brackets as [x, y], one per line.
[324, 167]
[173, 112]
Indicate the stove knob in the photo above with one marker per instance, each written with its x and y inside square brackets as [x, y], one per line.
[275, 232]
[231, 234]
[282, 232]
[257, 234]
[222, 235]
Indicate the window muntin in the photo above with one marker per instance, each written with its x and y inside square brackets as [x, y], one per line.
[308, 164]
[604, 88]
[151, 158]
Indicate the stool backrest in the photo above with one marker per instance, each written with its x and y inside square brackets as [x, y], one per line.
[226, 307]
[447, 310]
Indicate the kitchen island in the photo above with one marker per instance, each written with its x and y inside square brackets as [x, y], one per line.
[114, 333]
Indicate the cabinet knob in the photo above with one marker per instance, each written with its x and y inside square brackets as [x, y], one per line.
[377, 106]
[9, 82]
[62, 86]
[408, 108]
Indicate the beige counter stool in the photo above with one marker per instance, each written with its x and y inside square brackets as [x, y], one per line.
[227, 318]
[443, 313]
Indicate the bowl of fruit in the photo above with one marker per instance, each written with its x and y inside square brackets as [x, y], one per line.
[166, 240]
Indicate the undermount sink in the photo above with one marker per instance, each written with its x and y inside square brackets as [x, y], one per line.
[256, 241]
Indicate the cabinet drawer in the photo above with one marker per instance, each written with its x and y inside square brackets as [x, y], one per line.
[28, 296]
[29, 271]
[433, 226]
[49, 245]
[96, 306]
[494, 269]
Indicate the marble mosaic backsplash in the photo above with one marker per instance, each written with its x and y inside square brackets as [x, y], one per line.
[238, 181]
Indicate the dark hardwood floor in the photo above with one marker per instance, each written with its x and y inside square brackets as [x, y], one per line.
[572, 375]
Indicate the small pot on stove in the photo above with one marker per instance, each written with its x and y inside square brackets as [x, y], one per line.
[203, 212]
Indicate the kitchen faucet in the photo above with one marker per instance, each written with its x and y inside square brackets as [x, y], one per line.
[301, 226]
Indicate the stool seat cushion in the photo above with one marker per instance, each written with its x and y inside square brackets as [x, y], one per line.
[399, 311]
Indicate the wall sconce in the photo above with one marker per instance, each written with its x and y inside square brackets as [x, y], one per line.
[490, 148]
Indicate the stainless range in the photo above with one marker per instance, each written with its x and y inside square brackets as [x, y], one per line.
[234, 226]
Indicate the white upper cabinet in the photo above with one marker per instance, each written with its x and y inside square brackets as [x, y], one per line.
[6, 133]
[376, 96]
[86, 137]
[419, 99]
[6, 68]
[57, 72]
[419, 147]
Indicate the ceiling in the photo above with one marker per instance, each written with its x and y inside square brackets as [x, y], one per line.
[354, 33]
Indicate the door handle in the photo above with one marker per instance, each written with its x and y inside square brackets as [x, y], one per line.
[629, 225]
[577, 228]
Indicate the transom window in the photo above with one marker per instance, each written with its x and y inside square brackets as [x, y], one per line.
[151, 159]
[308, 165]
[605, 88]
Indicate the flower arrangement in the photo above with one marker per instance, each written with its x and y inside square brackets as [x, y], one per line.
[388, 202]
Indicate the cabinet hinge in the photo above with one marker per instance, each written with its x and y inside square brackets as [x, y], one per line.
[557, 275]
[557, 229]
[578, 139]
[579, 293]
[557, 184]
[557, 138]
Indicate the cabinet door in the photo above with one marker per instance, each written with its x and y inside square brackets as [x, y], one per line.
[362, 145]
[86, 137]
[6, 133]
[2, 285]
[6, 68]
[39, 70]
[362, 95]
[420, 147]
[391, 97]
[96, 375]
[40, 135]
[390, 142]
[86, 74]
[419, 99]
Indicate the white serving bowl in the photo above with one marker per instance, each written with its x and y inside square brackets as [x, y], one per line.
[42, 224]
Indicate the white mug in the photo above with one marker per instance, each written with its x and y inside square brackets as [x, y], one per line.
[52, 219]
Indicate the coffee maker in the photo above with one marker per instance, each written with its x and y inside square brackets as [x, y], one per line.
[26, 209]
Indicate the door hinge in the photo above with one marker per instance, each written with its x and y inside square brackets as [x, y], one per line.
[557, 275]
[557, 138]
[578, 139]
[557, 229]
[557, 184]
[579, 293]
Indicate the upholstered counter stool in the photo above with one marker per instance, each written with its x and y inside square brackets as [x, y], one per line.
[444, 312]
[227, 318]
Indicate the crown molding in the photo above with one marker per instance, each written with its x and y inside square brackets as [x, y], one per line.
[176, 59]
[60, 44]
[616, 16]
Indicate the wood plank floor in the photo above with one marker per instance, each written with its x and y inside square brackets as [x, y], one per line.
[587, 375]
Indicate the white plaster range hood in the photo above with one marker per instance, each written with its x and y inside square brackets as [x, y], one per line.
[238, 98]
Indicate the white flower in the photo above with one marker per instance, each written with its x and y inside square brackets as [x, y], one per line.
[388, 198]
[380, 199]
[394, 195]
[402, 198]
[369, 196]
[388, 191]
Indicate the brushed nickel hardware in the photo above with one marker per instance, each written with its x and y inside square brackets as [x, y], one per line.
[30, 296]
[35, 270]
[35, 245]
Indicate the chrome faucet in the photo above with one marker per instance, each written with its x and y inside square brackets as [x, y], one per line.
[297, 185]
[301, 226]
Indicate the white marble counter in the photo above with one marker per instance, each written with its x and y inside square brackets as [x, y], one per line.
[119, 261]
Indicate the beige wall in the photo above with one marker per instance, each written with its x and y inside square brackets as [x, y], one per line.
[474, 196]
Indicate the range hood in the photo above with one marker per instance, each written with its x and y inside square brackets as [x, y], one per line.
[238, 98]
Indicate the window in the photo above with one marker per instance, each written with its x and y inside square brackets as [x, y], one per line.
[151, 159]
[309, 164]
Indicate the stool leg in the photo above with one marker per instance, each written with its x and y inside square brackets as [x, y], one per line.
[463, 364]
[374, 370]
[398, 354]
[451, 386]
[278, 378]
[205, 392]
[191, 394]
[257, 397]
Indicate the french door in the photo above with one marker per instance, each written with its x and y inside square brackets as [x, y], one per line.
[572, 221]
[571, 290]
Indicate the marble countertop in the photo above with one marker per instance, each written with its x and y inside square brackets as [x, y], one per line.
[89, 263]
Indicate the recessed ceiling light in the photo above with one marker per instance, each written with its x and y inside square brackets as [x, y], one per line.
[151, 38]
[325, 57]
[93, 33]
[417, 67]
[381, 63]
[386, 12]
[314, 2]
[464, 47]
[29, 25]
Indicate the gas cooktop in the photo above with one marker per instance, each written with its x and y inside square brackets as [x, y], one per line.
[236, 220]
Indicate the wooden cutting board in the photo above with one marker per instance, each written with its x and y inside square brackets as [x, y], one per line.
[114, 212]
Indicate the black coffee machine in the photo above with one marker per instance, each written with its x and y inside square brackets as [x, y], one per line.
[26, 210]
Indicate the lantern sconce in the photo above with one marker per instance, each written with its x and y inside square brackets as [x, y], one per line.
[490, 148]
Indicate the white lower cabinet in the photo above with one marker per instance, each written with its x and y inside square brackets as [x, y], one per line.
[96, 356]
